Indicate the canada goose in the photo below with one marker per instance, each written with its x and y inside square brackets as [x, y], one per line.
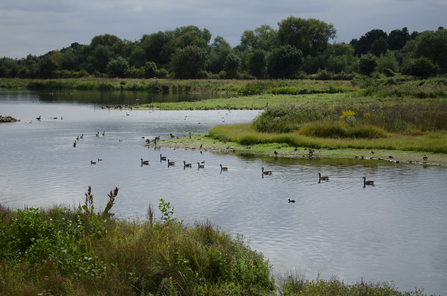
[62, 118]
[266, 172]
[99, 159]
[201, 166]
[222, 168]
[162, 157]
[171, 163]
[291, 200]
[39, 118]
[97, 134]
[127, 114]
[104, 133]
[172, 136]
[367, 182]
[425, 157]
[323, 178]
[145, 162]
[77, 138]
[201, 145]
[74, 144]
[276, 153]
[92, 162]
[82, 136]
[187, 165]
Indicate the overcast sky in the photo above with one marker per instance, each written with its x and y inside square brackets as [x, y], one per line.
[38, 26]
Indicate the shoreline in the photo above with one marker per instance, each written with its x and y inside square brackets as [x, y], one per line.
[202, 142]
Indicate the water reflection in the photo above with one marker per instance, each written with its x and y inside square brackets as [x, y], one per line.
[392, 231]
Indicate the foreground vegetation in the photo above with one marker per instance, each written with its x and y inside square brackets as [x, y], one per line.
[80, 251]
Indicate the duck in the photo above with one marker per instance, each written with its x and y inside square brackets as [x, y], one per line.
[201, 166]
[291, 200]
[187, 165]
[145, 162]
[162, 157]
[222, 168]
[266, 172]
[323, 178]
[92, 162]
[367, 182]
[171, 163]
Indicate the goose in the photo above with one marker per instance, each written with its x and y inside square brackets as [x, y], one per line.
[276, 153]
[74, 144]
[97, 134]
[187, 165]
[172, 135]
[201, 166]
[39, 118]
[77, 138]
[323, 178]
[291, 200]
[162, 157]
[99, 159]
[171, 163]
[266, 172]
[127, 114]
[92, 162]
[145, 162]
[104, 133]
[367, 182]
[82, 136]
[222, 168]
[62, 118]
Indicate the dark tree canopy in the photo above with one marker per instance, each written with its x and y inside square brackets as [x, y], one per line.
[308, 35]
[284, 61]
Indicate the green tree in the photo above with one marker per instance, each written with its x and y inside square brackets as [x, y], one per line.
[231, 66]
[257, 63]
[387, 61]
[398, 38]
[367, 64]
[101, 57]
[363, 45]
[284, 62]
[68, 61]
[47, 67]
[117, 67]
[115, 44]
[264, 37]
[137, 58]
[156, 47]
[220, 49]
[150, 69]
[189, 62]
[309, 35]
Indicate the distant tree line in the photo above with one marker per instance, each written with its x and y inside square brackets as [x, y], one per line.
[298, 47]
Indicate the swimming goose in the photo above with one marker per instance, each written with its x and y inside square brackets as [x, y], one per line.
[74, 144]
[145, 162]
[40, 117]
[291, 200]
[104, 133]
[266, 172]
[201, 166]
[171, 163]
[92, 162]
[162, 157]
[97, 134]
[367, 182]
[223, 168]
[323, 178]
[187, 165]
[82, 136]
[172, 136]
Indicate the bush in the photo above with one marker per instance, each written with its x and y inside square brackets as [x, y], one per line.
[367, 64]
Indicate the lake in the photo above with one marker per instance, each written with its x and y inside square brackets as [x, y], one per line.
[393, 231]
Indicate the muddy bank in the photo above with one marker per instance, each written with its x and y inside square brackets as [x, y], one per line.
[206, 143]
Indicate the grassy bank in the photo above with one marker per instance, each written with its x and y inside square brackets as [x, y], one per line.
[80, 251]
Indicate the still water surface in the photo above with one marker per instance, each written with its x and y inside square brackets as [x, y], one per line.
[395, 230]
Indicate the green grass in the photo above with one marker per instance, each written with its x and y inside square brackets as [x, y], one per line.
[79, 251]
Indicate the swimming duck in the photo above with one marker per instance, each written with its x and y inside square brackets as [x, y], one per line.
[266, 172]
[367, 182]
[323, 178]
